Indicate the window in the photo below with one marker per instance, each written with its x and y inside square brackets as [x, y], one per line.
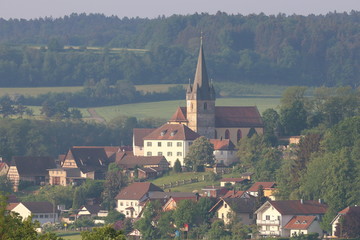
[205, 106]
[169, 154]
[190, 143]
[222, 216]
[251, 216]
[121, 204]
[131, 203]
[179, 154]
[149, 144]
[169, 144]
[267, 228]
[221, 152]
[267, 217]
[46, 216]
[179, 144]
[238, 135]
[127, 212]
[159, 153]
[159, 144]
[148, 154]
[41, 216]
[278, 218]
[127, 203]
[227, 134]
[225, 205]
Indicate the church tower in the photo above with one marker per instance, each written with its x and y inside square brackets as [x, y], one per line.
[200, 101]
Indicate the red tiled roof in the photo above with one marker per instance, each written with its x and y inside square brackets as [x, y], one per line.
[172, 132]
[222, 144]
[39, 207]
[139, 134]
[11, 206]
[137, 190]
[233, 194]
[88, 159]
[178, 116]
[255, 186]
[33, 166]
[242, 116]
[300, 222]
[132, 161]
[237, 117]
[350, 209]
[295, 207]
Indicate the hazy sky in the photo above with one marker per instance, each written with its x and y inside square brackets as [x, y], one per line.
[152, 8]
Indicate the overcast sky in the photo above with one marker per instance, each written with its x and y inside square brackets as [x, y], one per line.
[152, 8]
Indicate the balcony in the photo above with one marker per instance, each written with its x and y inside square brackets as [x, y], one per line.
[267, 222]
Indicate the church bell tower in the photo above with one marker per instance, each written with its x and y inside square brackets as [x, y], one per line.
[200, 100]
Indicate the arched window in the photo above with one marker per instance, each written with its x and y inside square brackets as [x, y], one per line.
[227, 134]
[205, 106]
[239, 135]
[215, 134]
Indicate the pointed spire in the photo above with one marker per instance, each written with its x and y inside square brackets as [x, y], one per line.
[201, 82]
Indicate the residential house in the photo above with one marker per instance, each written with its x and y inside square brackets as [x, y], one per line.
[336, 220]
[237, 194]
[273, 216]
[224, 151]
[80, 163]
[247, 175]
[232, 181]
[44, 212]
[4, 168]
[138, 140]
[131, 200]
[171, 141]
[241, 208]
[89, 210]
[173, 201]
[299, 225]
[220, 168]
[213, 191]
[268, 187]
[30, 169]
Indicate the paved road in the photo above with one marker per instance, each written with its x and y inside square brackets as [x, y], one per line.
[95, 116]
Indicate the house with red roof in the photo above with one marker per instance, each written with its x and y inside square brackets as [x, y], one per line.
[241, 208]
[30, 169]
[304, 225]
[334, 223]
[232, 181]
[171, 141]
[131, 199]
[273, 217]
[268, 187]
[138, 140]
[224, 151]
[173, 201]
[44, 212]
[4, 168]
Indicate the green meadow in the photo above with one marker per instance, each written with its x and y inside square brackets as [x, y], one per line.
[165, 109]
[37, 90]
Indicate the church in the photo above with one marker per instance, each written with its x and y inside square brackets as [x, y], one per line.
[223, 125]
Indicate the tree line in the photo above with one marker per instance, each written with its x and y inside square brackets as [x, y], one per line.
[317, 50]
[325, 164]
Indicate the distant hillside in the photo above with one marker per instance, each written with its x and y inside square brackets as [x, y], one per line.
[289, 50]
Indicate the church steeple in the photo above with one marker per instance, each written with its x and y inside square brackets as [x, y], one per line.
[201, 90]
[200, 98]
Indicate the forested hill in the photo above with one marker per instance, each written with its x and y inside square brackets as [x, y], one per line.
[291, 50]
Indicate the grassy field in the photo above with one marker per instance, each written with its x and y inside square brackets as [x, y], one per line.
[165, 109]
[69, 235]
[37, 91]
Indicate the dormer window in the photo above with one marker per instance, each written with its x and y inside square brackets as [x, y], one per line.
[163, 133]
[173, 133]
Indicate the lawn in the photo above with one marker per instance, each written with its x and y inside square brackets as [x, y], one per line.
[69, 235]
[165, 109]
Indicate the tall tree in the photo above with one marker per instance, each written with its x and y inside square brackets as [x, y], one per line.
[201, 152]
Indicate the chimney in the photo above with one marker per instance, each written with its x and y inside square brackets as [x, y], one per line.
[302, 201]
[320, 201]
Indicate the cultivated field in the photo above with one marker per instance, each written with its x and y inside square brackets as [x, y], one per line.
[165, 109]
[37, 91]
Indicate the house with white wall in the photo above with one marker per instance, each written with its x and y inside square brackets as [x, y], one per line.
[273, 216]
[44, 212]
